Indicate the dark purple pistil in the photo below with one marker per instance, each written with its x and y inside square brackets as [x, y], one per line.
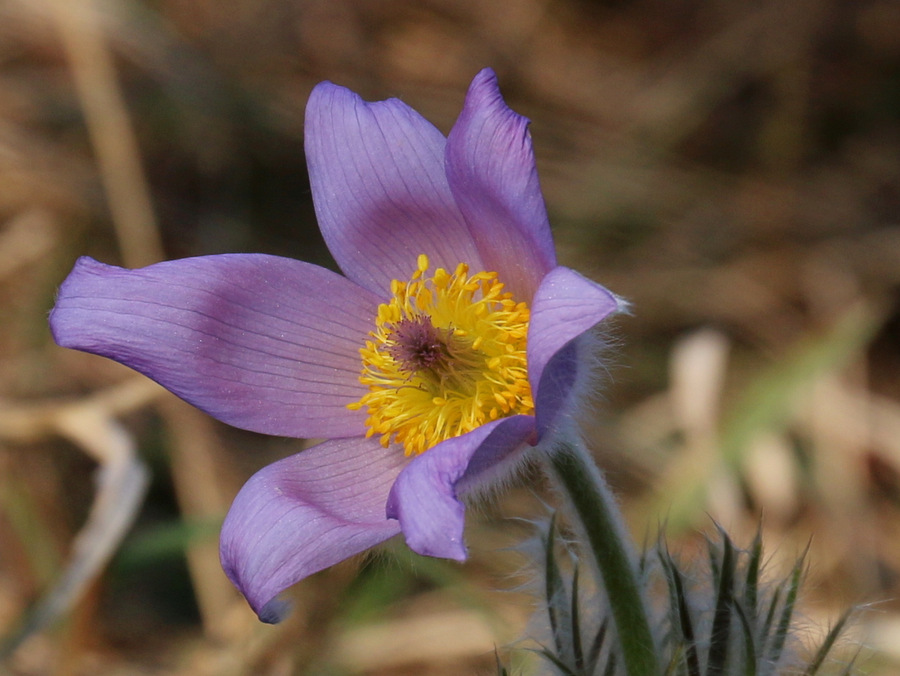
[417, 345]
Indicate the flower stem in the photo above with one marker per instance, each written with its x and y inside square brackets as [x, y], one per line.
[599, 518]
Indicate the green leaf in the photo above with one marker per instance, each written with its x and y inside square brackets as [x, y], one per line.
[610, 669]
[558, 663]
[681, 610]
[770, 614]
[720, 635]
[828, 644]
[751, 580]
[593, 656]
[555, 591]
[575, 616]
[749, 642]
[787, 614]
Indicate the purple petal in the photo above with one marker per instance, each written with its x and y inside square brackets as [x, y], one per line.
[424, 498]
[565, 307]
[559, 385]
[380, 192]
[305, 513]
[260, 342]
[490, 165]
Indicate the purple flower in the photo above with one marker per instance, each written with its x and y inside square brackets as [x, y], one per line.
[453, 344]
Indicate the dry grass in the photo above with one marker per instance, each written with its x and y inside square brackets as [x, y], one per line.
[731, 168]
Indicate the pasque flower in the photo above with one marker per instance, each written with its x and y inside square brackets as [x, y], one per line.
[452, 344]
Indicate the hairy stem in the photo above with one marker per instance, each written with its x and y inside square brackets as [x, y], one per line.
[600, 521]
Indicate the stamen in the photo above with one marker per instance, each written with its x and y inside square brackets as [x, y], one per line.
[447, 355]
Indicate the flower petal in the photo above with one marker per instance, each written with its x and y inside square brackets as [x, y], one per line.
[305, 513]
[491, 169]
[379, 188]
[264, 343]
[424, 497]
[565, 307]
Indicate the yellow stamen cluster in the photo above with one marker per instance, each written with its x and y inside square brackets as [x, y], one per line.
[446, 356]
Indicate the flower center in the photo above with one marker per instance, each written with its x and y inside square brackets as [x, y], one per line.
[446, 356]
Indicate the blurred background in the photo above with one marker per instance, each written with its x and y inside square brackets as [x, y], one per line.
[733, 169]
